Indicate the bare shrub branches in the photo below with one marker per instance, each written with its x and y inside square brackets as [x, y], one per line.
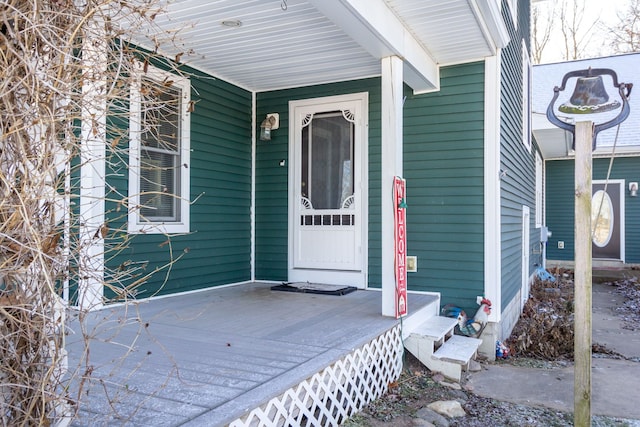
[64, 67]
[625, 35]
[545, 328]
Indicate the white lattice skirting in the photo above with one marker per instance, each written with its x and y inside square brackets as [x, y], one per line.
[332, 395]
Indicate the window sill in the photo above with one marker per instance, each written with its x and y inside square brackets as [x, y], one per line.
[158, 228]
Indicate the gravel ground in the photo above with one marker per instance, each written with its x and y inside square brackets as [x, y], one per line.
[405, 403]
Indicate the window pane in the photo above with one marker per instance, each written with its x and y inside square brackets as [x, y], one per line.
[160, 151]
[602, 218]
[158, 186]
[327, 160]
[160, 115]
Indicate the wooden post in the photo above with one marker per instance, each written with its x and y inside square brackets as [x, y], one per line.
[583, 275]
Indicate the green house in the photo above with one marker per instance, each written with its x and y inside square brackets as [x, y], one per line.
[351, 93]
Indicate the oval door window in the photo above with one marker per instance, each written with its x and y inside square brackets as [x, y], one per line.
[601, 218]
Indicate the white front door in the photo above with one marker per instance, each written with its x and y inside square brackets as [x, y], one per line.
[327, 190]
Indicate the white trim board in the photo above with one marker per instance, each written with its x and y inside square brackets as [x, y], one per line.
[492, 221]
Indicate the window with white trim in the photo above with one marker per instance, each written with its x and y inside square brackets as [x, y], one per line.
[526, 97]
[539, 191]
[159, 152]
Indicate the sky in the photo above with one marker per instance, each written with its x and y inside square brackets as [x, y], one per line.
[604, 12]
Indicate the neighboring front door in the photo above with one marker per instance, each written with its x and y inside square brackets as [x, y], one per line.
[327, 190]
[607, 219]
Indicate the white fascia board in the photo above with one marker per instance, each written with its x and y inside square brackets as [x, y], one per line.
[490, 20]
[379, 31]
[620, 151]
[417, 62]
[539, 121]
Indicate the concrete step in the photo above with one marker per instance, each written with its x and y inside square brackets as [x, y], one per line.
[435, 345]
[416, 318]
[458, 349]
[437, 328]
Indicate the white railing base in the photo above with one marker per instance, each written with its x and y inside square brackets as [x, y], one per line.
[337, 392]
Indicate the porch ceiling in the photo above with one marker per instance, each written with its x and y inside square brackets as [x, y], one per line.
[319, 41]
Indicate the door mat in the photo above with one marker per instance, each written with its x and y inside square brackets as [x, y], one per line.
[314, 288]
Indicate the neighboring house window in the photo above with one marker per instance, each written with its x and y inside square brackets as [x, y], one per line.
[159, 153]
[539, 191]
[526, 97]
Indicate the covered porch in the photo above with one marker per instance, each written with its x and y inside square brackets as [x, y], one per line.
[261, 48]
[241, 355]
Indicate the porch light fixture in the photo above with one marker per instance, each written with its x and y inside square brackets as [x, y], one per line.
[271, 122]
[590, 97]
[633, 189]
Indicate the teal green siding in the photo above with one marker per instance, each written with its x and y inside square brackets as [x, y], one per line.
[517, 186]
[218, 249]
[272, 179]
[560, 204]
[443, 165]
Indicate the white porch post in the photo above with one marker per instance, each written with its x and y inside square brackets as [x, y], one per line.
[92, 169]
[391, 132]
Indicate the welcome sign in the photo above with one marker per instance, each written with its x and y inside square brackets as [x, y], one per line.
[400, 217]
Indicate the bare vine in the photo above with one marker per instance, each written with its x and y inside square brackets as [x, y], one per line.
[64, 69]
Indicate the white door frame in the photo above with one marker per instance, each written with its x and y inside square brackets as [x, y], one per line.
[357, 277]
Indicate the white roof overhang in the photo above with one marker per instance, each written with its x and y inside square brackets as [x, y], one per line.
[553, 142]
[381, 33]
[282, 44]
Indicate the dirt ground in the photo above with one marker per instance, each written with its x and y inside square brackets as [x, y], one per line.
[542, 338]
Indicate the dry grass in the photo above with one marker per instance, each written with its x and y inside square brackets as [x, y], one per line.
[545, 328]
